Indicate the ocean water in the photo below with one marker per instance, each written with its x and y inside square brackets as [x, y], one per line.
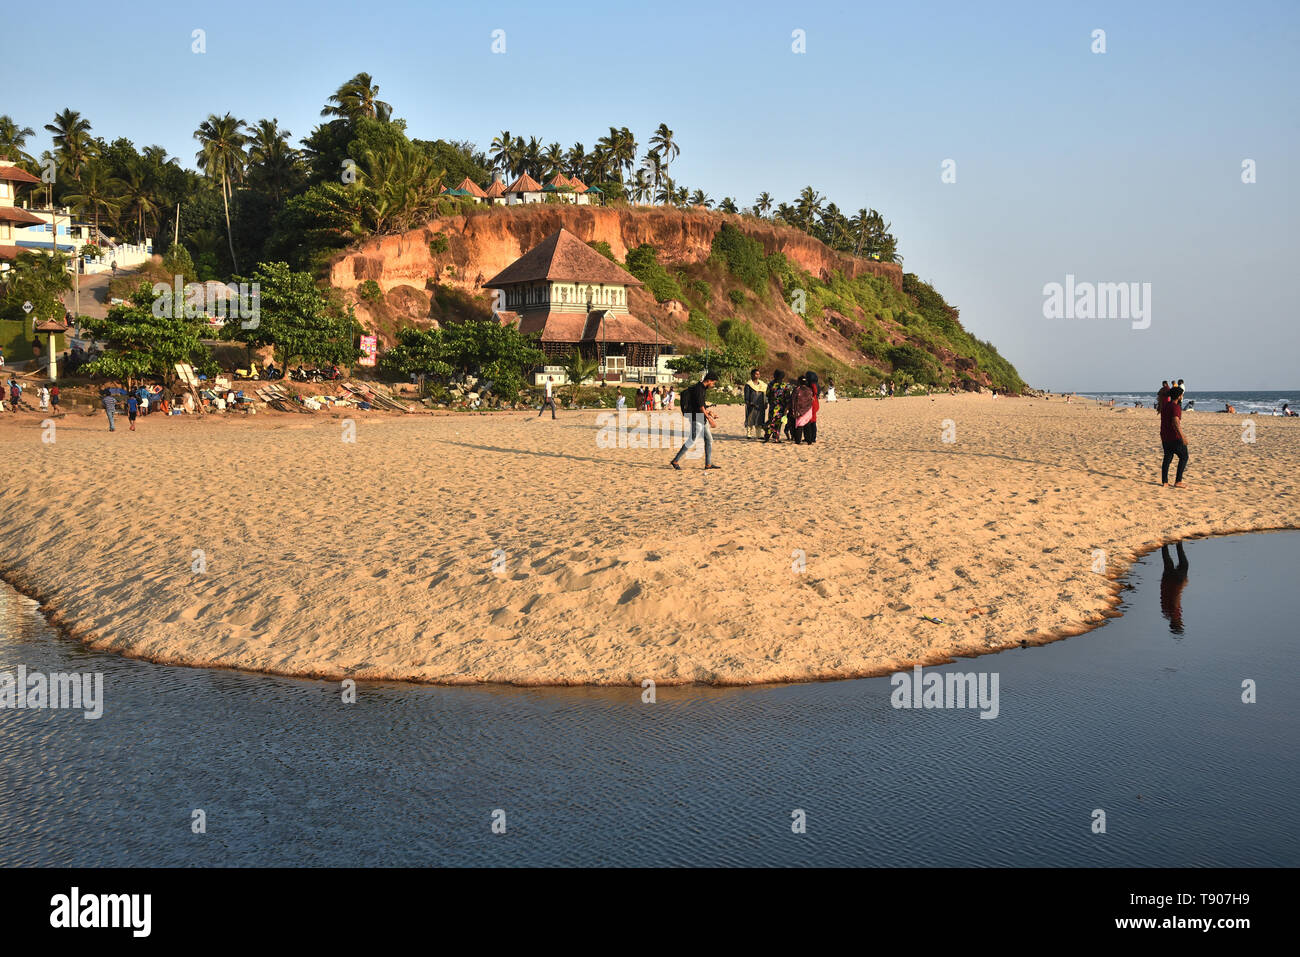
[1142, 721]
[1210, 400]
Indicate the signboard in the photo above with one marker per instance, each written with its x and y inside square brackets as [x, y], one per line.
[369, 350]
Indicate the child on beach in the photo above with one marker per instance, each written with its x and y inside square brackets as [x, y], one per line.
[132, 409]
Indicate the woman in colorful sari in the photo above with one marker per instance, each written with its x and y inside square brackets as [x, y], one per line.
[778, 406]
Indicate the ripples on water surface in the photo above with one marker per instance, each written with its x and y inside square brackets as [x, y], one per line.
[1134, 718]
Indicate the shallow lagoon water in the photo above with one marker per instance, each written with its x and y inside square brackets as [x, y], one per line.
[1142, 718]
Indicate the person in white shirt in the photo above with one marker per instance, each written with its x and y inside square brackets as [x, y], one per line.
[45, 399]
[549, 400]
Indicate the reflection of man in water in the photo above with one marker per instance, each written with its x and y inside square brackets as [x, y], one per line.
[1172, 583]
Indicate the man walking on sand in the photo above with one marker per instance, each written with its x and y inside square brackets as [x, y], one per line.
[549, 400]
[695, 407]
[1172, 438]
[110, 407]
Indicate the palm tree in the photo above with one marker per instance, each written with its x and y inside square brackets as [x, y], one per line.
[654, 165]
[607, 156]
[276, 166]
[699, 199]
[505, 154]
[662, 143]
[641, 187]
[728, 205]
[99, 192]
[624, 149]
[553, 160]
[807, 205]
[578, 369]
[576, 160]
[681, 196]
[13, 138]
[221, 156]
[665, 194]
[531, 160]
[358, 98]
[763, 204]
[72, 143]
[137, 196]
[403, 186]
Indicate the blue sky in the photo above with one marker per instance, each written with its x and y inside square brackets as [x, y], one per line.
[1115, 167]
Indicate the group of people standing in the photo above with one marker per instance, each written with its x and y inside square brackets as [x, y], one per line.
[47, 396]
[651, 399]
[782, 408]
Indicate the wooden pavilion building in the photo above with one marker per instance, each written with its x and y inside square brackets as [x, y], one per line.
[577, 300]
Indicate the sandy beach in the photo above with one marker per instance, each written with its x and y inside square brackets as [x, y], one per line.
[507, 548]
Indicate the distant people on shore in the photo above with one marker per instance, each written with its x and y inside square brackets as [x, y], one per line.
[549, 398]
[1172, 438]
[755, 405]
[830, 391]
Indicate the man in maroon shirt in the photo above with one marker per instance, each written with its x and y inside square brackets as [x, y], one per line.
[1172, 437]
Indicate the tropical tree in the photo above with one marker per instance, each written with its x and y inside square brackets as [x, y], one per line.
[356, 99]
[143, 344]
[553, 160]
[641, 188]
[298, 319]
[273, 165]
[137, 196]
[578, 369]
[72, 141]
[13, 138]
[221, 157]
[531, 158]
[665, 195]
[576, 160]
[662, 142]
[98, 192]
[36, 277]
[728, 205]
[653, 165]
[622, 149]
[763, 204]
[807, 206]
[504, 153]
[698, 198]
[399, 187]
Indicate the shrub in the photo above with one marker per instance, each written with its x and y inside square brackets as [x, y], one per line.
[743, 256]
[742, 339]
[914, 362]
[643, 262]
[737, 297]
[602, 247]
[370, 291]
[438, 245]
[699, 324]
[701, 291]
